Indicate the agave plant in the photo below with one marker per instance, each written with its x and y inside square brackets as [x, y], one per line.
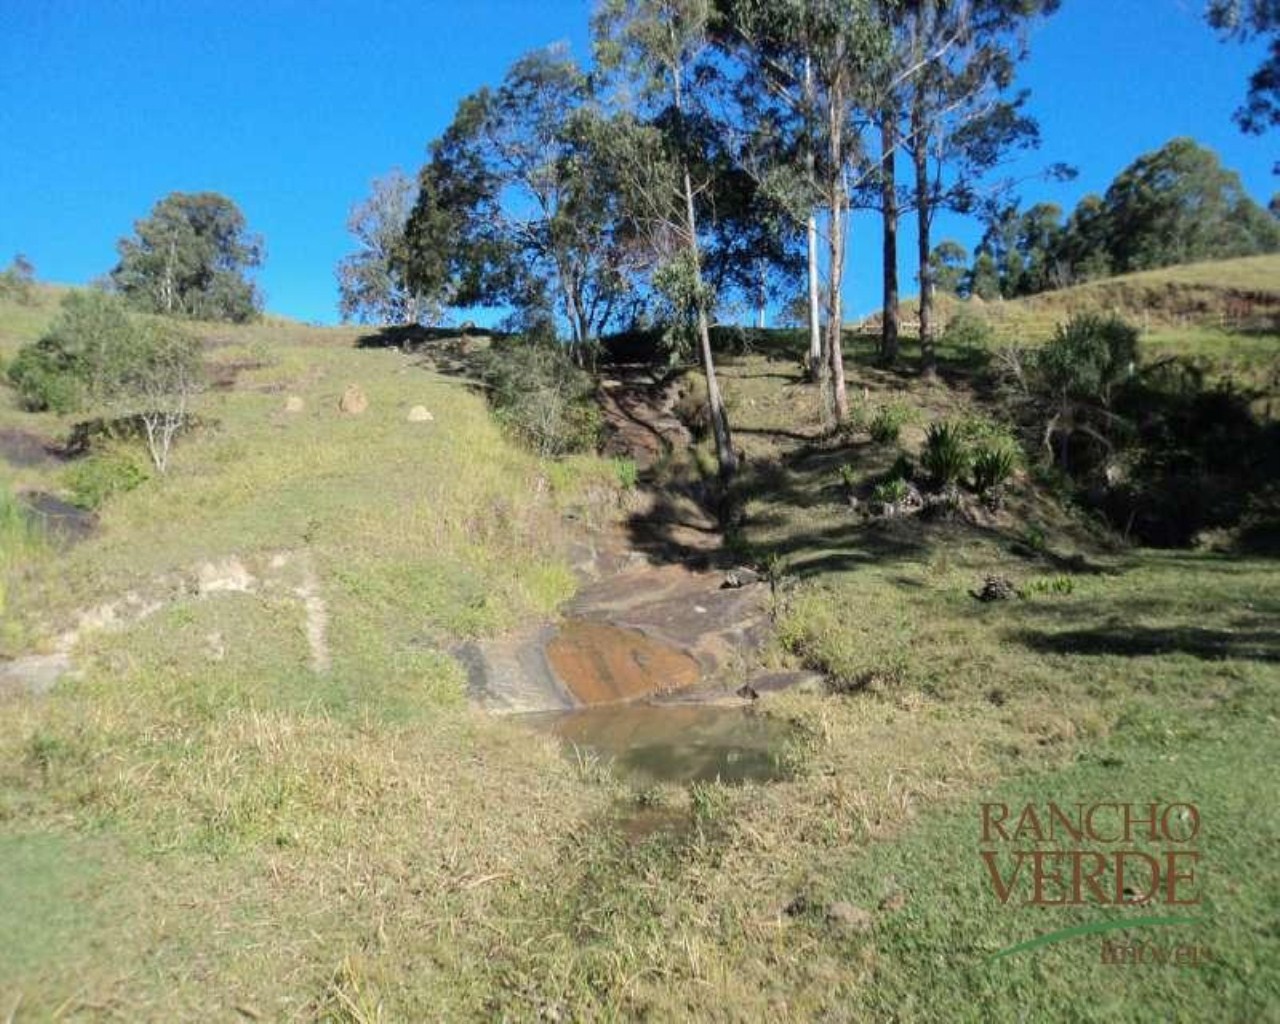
[946, 457]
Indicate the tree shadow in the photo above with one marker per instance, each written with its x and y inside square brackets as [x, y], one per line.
[1139, 642]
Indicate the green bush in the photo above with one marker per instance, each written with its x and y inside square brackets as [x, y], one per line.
[992, 466]
[94, 479]
[1087, 357]
[887, 423]
[967, 329]
[946, 457]
[81, 357]
[891, 491]
[45, 379]
[540, 395]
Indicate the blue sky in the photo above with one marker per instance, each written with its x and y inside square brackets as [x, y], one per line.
[291, 108]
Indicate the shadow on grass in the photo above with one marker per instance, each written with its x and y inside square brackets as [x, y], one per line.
[1130, 642]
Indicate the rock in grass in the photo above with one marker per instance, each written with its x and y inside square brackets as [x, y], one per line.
[293, 404]
[353, 401]
[420, 414]
[996, 588]
[847, 917]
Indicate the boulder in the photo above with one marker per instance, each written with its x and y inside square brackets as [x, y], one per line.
[420, 414]
[353, 401]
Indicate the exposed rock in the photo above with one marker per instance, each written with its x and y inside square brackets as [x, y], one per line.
[420, 414]
[353, 401]
[227, 576]
[294, 404]
[741, 577]
[996, 588]
[35, 674]
[850, 918]
[799, 681]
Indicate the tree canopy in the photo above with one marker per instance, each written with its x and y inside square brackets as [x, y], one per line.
[191, 257]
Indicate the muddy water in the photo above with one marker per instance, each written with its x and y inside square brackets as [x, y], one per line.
[675, 743]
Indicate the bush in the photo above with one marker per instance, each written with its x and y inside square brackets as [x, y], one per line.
[540, 395]
[84, 351]
[946, 457]
[95, 479]
[45, 379]
[967, 329]
[992, 467]
[17, 281]
[891, 491]
[887, 423]
[1087, 357]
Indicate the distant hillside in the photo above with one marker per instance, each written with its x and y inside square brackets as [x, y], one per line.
[1233, 295]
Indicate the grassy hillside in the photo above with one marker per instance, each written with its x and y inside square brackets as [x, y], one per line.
[213, 822]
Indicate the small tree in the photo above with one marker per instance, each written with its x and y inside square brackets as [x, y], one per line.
[371, 281]
[155, 377]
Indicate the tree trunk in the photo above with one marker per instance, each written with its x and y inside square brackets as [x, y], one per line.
[762, 297]
[891, 314]
[815, 315]
[835, 314]
[924, 224]
[725, 455]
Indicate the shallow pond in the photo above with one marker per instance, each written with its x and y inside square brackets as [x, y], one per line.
[675, 743]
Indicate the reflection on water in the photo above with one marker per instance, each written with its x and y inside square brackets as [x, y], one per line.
[681, 743]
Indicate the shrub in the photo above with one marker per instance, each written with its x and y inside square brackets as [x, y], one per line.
[967, 329]
[992, 466]
[891, 491]
[94, 479]
[17, 281]
[1087, 357]
[540, 395]
[946, 457]
[84, 352]
[888, 421]
[45, 379]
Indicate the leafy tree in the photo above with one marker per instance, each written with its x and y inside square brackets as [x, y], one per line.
[518, 206]
[1247, 19]
[655, 46]
[371, 281]
[190, 257]
[947, 265]
[96, 356]
[961, 116]
[1179, 205]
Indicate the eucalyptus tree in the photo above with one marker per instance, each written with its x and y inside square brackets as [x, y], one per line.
[518, 206]
[653, 48]
[961, 117]
[191, 257]
[371, 281]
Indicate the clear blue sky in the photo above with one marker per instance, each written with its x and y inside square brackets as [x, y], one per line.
[290, 108]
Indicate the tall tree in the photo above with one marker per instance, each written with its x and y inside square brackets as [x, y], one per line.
[655, 45]
[1179, 204]
[519, 192]
[371, 281]
[191, 257]
[962, 118]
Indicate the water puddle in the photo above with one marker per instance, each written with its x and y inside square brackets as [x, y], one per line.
[603, 664]
[652, 743]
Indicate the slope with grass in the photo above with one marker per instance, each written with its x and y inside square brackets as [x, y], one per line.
[207, 824]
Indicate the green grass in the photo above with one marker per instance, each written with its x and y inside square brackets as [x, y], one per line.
[202, 827]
